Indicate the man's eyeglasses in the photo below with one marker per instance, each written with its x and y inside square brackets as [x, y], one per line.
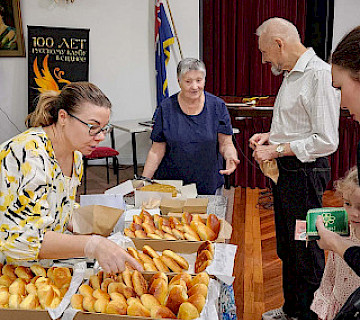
[93, 128]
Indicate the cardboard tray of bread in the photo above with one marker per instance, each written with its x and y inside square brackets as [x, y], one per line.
[36, 292]
[133, 295]
[178, 227]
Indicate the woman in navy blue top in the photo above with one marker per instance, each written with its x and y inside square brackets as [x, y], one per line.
[192, 134]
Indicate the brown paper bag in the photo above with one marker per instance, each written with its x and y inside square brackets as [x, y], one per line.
[270, 169]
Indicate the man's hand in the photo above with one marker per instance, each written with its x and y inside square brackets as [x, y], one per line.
[267, 152]
[259, 139]
[231, 165]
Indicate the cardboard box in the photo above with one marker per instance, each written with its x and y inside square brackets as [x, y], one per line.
[171, 205]
[196, 205]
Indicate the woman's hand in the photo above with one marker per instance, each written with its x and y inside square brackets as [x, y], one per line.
[231, 165]
[258, 139]
[111, 257]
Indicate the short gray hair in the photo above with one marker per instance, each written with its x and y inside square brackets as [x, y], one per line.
[279, 27]
[188, 64]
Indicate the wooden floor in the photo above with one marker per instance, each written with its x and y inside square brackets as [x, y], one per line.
[258, 280]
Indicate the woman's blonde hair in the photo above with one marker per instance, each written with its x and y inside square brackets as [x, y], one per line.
[71, 97]
[349, 183]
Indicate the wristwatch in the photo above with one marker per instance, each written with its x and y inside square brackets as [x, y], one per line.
[280, 149]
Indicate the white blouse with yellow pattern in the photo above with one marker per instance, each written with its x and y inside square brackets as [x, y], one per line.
[35, 196]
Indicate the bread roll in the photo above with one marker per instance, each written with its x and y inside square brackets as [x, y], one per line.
[89, 304]
[202, 277]
[98, 293]
[5, 281]
[126, 291]
[46, 294]
[179, 227]
[160, 233]
[3, 288]
[173, 222]
[77, 301]
[145, 258]
[50, 273]
[148, 228]
[202, 230]
[30, 302]
[213, 223]
[190, 233]
[4, 297]
[9, 270]
[160, 312]
[24, 273]
[62, 276]
[168, 236]
[135, 226]
[137, 220]
[198, 300]
[144, 214]
[178, 234]
[41, 281]
[38, 270]
[129, 233]
[188, 311]
[170, 263]
[183, 276]
[105, 283]
[159, 275]
[133, 300]
[150, 267]
[94, 281]
[178, 282]
[18, 287]
[113, 287]
[160, 265]
[133, 252]
[63, 290]
[199, 288]
[86, 290]
[136, 309]
[127, 277]
[116, 307]
[179, 260]
[150, 251]
[100, 305]
[118, 297]
[153, 236]
[149, 301]
[203, 260]
[159, 289]
[166, 229]
[186, 218]
[15, 300]
[177, 295]
[140, 234]
[31, 288]
[207, 245]
[149, 220]
[139, 283]
[196, 217]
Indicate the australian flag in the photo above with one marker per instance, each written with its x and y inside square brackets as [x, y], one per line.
[163, 39]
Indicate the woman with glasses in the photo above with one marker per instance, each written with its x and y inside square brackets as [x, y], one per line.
[40, 170]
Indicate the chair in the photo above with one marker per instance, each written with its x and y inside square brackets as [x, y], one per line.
[101, 153]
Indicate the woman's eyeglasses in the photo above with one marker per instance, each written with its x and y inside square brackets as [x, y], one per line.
[93, 128]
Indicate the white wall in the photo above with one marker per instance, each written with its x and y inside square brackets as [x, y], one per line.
[346, 17]
[121, 57]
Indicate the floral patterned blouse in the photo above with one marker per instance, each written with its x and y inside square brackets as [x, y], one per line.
[35, 196]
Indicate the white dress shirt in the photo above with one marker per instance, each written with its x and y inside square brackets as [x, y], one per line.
[307, 110]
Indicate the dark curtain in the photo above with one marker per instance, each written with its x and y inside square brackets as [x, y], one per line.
[230, 49]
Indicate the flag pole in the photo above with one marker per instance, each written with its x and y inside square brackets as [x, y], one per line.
[173, 24]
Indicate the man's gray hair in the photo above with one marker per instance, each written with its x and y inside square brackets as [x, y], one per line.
[189, 64]
[279, 27]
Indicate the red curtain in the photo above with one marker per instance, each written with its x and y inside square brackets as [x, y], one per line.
[230, 48]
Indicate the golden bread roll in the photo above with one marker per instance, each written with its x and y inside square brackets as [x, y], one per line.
[18, 287]
[179, 227]
[50, 273]
[31, 288]
[134, 226]
[173, 222]
[24, 273]
[157, 187]
[199, 288]
[33, 280]
[183, 276]
[160, 233]
[5, 281]
[145, 213]
[30, 302]
[63, 290]
[179, 259]
[116, 307]
[190, 232]
[105, 283]
[98, 293]
[177, 295]
[149, 220]
[171, 264]
[150, 251]
[61, 276]
[160, 312]
[160, 265]
[198, 300]
[178, 282]
[138, 220]
[15, 300]
[139, 283]
[150, 267]
[204, 232]
[129, 233]
[100, 305]
[77, 301]
[169, 236]
[133, 252]
[213, 223]
[153, 236]
[203, 260]
[118, 297]
[4, 297]
[196, 217]
[86, 290]
[163, 222]
[186, 218]
[159, 289]
[89, 304]
[3, 288]
[156, 218]
[202, 277]
[9, 270]
[126, 291]
[145, 258]
[38, 270]
[207, 245]
[178, 234]
[148, 228]
[158, 275]
[94, 281]
[166, 229]
[133, 300]
[55, 303]
[127, 277]
[46, 295]
[42, 281]
[140, 234]
[149, 301]
[188, 311]
[113, 287]
[136, 309]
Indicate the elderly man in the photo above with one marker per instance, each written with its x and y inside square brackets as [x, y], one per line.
[304, 131]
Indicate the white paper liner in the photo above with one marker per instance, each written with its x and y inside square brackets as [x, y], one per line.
[76, 280]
